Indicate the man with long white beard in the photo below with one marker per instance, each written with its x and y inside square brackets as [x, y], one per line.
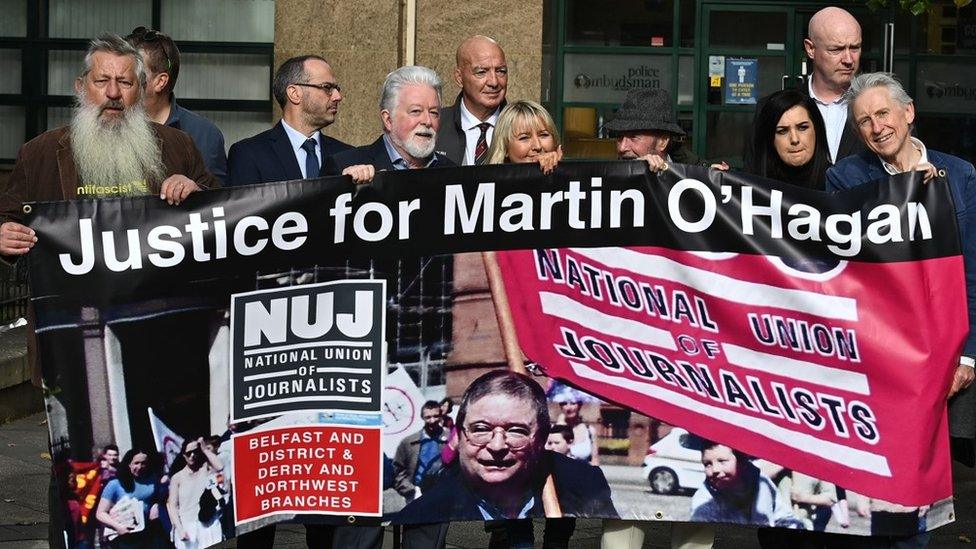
[410, 108]
[110, 148]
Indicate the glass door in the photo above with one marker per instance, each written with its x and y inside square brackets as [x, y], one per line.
[747, 51]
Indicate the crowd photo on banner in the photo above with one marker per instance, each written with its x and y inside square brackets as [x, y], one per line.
[457, 321]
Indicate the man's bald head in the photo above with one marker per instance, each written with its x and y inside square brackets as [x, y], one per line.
[833, 44]
[482, 74]
[471, 45]
[830, 18]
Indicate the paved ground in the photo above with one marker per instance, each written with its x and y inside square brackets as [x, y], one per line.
[23, 505]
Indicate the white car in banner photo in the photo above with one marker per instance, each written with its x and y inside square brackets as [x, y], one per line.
[671, 467]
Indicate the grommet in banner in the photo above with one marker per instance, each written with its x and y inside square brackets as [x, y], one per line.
[942, 173]
[659, 515]
[28, 208]
[351, 519]
[952, 516]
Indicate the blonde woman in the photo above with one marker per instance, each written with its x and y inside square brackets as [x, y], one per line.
[525, 133]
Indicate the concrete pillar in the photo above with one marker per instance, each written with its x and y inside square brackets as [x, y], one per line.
[364, 40]
[92, 333]
[219, 358]
[118, 401]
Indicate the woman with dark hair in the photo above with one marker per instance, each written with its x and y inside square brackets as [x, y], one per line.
[790, 142]
[129, 505]
[790, 145]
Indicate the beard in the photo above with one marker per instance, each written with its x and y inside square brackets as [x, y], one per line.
[117, 150]
[415, 145]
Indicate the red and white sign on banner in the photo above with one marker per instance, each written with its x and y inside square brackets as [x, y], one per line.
[317, 469]
[823, 368]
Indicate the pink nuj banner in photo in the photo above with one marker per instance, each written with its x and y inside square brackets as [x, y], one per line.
[838, 370]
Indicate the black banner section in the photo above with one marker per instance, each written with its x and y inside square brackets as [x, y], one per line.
[143, 248]
[310, 347]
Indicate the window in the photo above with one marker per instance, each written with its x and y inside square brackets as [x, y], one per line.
[600, 53]
[626, 23]
[226, 49]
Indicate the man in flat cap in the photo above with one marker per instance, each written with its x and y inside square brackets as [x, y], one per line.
[644, 127]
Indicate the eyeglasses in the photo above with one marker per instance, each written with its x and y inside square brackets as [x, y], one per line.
[516, 438]
[327, 87]
[142, 34]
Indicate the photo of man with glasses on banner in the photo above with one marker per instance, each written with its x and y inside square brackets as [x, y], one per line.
[503, 466]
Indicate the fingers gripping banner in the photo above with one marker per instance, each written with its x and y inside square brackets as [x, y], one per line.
[801, 336]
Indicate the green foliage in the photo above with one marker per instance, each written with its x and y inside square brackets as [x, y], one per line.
[915, 7]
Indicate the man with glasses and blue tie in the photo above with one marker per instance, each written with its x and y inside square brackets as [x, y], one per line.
[295, 148]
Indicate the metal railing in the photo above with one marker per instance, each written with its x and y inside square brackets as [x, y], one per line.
[419, 302]
[14, 292]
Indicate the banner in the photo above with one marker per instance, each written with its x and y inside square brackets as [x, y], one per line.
[168, 443]
[85, 483]
[401, 409]
[766, 353]
[741, 337]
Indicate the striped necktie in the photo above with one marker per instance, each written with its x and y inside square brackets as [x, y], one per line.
[481, 149]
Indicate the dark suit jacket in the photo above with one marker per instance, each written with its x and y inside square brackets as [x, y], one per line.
[581, 488]
[373, 154]
[850, 142]
[268, 157]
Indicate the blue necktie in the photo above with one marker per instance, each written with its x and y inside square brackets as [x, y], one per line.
[311, 161]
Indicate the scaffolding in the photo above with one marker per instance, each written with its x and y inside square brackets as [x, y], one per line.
[418, 306]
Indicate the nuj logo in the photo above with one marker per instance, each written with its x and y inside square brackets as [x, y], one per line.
[274, 320]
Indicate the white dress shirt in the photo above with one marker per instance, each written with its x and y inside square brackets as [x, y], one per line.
[919, 146]
[835, 116]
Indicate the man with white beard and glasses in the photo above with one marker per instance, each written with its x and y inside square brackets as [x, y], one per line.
[410, 108]
[110, 148]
